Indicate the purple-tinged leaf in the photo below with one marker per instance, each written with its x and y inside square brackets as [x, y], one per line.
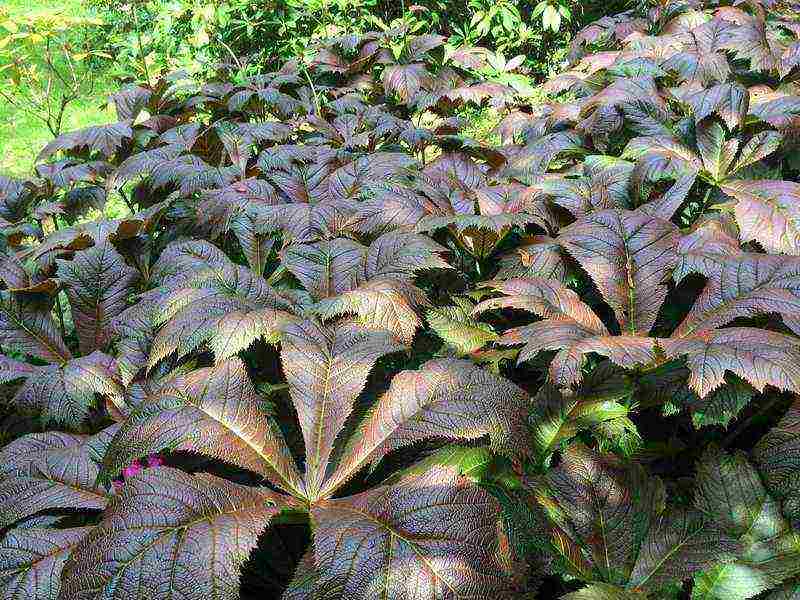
[629, 256]
[103, 139]
[170, 533]
[51, 471]
[326, 370]
[434, 535]
[540, 256]
[97, 283]
[758, 356]
[544, 298]
[730, 101]
[65, 393]
[130, 100]
[326, 268]
[29, 328]
[382, 304]
[214, 411]
[194, 311]
[768, 211]
[445, 399]
[739, 285]
[31, 561]
[405, 80]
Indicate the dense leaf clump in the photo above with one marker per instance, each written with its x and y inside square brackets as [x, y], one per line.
[566, 361]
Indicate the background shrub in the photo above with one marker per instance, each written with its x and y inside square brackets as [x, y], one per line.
[193, 35]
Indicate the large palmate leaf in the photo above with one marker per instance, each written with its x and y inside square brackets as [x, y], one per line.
[332, 267]
[700, 57]
[604, 185]
[103, 139]
[51, 471]
[180, 261]
[730, 101]
[65, 393]
[660, 157]
[347, 182]
[209, 305]
[752, 41]
[134, 331]
[546, 299]
[767, 212]
[428, 536]
[540, 256]
[716, 152]
[730, 490]
[758, 356]
[170, 533]
[642, 228]
[381, 303]
[326, 370]
[740, 285]
[326, 268]
[405, 80]
[617, 515]
[569, 326]
[31, 561]
[626, 254]
[445, 399]
[480, 233]
[97, 283]
[214, 411]
[28, 327]
[778, 458]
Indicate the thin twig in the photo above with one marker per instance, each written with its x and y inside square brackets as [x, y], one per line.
[137, 26]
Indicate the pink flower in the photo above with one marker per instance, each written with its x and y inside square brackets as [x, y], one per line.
[154, 460]
[132, 470]
[136, 467]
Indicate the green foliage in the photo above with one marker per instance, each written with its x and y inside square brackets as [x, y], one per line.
[34, 91]
[192, 35]
[43, 68]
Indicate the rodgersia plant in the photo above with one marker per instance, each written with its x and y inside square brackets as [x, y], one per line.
[336, 349]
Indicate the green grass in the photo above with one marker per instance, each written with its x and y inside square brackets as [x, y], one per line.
[22, 135]
[16, 7]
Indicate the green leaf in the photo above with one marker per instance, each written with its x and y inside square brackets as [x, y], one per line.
[730, 490]
[603, 591]
[459, 330]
